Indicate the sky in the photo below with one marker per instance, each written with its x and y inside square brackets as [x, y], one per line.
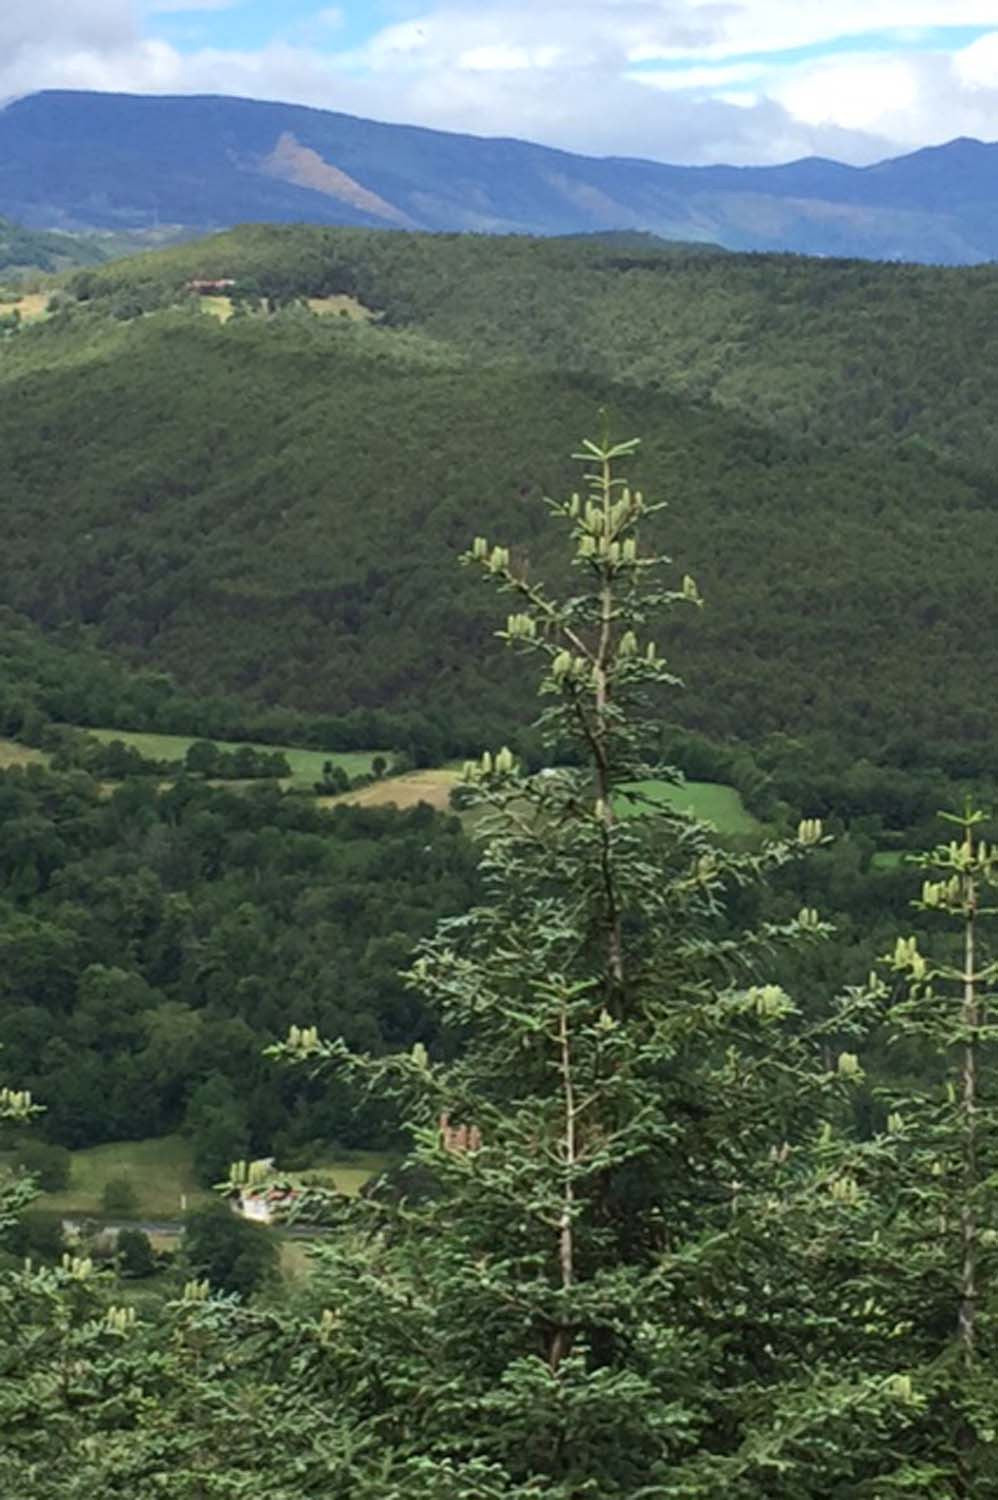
[693, 81]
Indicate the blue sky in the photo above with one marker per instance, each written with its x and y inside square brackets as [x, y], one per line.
[680, 80]
[257, 23]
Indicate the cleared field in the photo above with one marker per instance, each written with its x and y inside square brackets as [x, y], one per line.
[340, 307]
[335, 307]
[161, 1172]
[433, 787]
[888, 859]
[12, 754]
[31, 306]
[710, 800]
[306, 765]
[219, 307]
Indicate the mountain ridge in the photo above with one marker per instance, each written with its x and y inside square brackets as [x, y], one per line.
[78, 160]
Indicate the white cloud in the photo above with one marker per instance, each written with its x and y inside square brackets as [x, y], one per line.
[855, 93]
[779, 25]
[977, 65]
[58, 27]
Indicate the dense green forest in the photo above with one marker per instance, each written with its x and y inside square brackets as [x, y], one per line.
[267, 508]
[696, 1200]
[154, 942]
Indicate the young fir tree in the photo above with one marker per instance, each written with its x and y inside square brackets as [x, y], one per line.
[925, 1244]
[617, 1275]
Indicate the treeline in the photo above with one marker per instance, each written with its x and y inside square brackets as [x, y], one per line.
[50, 681]
[153, 943]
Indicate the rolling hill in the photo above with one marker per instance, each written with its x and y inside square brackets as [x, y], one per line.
[271, 506]
[26, 250]
[117, 162]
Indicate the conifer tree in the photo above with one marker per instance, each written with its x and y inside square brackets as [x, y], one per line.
[611, 1287]
[925, 1245]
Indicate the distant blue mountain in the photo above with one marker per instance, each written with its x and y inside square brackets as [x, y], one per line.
[122, 162]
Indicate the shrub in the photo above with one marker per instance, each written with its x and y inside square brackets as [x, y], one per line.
[135, 1254]
[119, 1196]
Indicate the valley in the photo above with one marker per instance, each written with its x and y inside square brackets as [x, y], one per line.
[557, 960]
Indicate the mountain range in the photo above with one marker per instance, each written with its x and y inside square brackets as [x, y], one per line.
[84, 161]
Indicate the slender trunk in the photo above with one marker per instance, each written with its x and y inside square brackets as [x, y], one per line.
[561, 1344]
[968, 1217]
[601, 745]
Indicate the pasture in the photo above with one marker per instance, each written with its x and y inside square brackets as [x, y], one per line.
[409, 790]
[712, 801]
[30, 305]
[323, 307]
[159, 1170]
[162, 1173]
[306, 765]
[341, 307]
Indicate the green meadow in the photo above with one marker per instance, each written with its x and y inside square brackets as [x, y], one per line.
[306, 765]
[712, 801]
[162, 1173]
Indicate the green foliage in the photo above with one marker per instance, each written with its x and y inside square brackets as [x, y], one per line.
[228, 1252]
[619, 1167]
[119, 1196]
[38, 1235]
[49, 1165]
[135, 1254]
[23, 250]
[150, 942]
[218, 1121]
[767, 388]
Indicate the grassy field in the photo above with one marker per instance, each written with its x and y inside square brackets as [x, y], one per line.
[159, 1170]
[715, 803]
[350, 1174]
[219, 307]
[336, 307]
[433, 787]
[888, 859]
[306, 765]
[31, 306]
[12, 754]
[162, 1174]
[339, 307]
[710, 800]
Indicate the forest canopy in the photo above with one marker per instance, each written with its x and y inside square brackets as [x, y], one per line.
[271, 512]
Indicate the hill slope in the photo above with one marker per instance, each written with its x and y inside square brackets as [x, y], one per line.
[122, 162]
[272, 506]
[25, 250]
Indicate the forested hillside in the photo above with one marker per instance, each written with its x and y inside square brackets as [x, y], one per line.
[153, 943]
[692, 1202]
[38, 250]
[269, 506]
